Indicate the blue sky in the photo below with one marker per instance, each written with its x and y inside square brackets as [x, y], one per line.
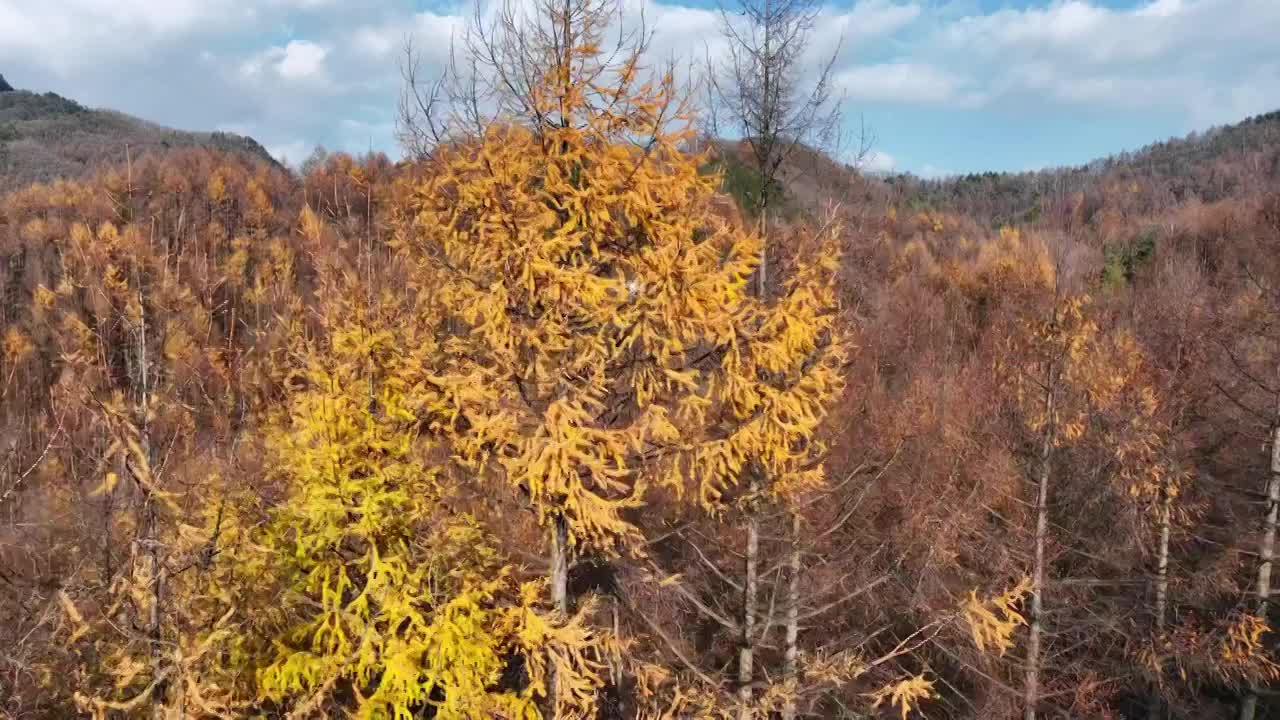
[946, 85]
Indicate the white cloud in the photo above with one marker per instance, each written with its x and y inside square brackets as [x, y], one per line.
[290, 153]
[1170, 54]
[305, 4]
[63, 36]
[685, 33]
[852, 30]
[878, 162]
[431, 34]
[375, 42]
[325, 70]
[1075, 30]
[903, 82]
[1162, 8]
[302, 60]
[253, 67]
[872, 18]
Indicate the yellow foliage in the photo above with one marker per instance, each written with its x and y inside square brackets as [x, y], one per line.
[1009, 264]
[44, 298]
[906, 694]
[992, 621]
[596, 331]
[578, 326]
[17, 346]
[386, 589]
[217, 188]
[109, 483]
[73, 614]
[1104, 393]
[1243, 653]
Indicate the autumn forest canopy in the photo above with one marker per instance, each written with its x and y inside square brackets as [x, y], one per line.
[619, 397]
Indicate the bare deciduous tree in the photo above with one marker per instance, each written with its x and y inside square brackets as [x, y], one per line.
[758, 90]
[502, 56]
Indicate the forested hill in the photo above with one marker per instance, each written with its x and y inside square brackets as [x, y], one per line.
[541, 427]
[1207, 166]
[46, 136]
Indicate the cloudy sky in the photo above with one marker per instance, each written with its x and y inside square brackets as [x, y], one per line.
[946, 85]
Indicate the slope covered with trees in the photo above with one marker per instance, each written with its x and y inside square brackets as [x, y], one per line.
[521, 430]
[1208, 166]
[46, 136]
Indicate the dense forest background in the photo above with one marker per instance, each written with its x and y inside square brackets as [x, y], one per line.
[522, 429]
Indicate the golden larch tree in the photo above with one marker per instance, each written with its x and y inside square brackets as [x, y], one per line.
[597, 336]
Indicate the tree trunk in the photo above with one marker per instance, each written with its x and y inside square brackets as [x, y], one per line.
[153, 563]
[762, 272]
[560, 565]
[1155, 707]
[1032, 690]
[746, 655]
[155, 575]
[559, 593]
[1266, 552]
[790, 666]
[765, 139]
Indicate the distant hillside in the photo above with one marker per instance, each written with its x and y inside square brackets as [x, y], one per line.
[1205, 166]
[48, 136]
[809, 179]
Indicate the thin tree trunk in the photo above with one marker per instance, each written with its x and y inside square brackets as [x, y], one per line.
[762, 272]
[155, 575]
[150, 530]
[559, 593]
[560, 565]
[746, 655]
[1266, 552]
[615, 668]
[1155, 707]
[790, 661]
[765, 139]
[1032, 689]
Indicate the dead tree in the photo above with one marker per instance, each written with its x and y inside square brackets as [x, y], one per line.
[758, 91]
[506, 52]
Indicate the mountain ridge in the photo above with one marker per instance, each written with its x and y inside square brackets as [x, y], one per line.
[1204, 165]
[44, 136]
